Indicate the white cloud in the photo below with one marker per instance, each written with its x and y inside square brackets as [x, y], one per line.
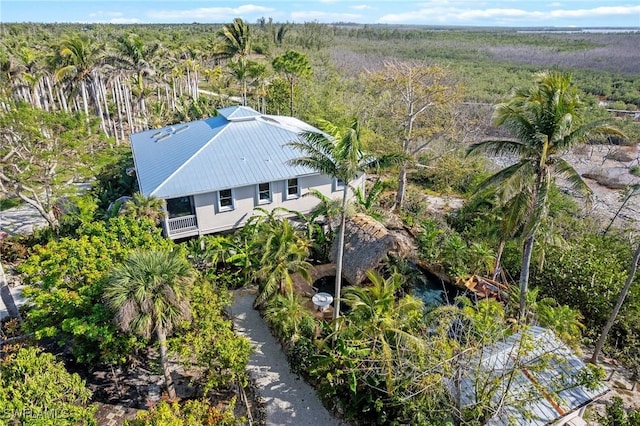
[309, 16]
[362, 7]
[216, 14]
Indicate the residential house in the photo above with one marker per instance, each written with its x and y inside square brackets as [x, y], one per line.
[212, 173]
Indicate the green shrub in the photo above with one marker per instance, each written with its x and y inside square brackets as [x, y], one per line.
[618, 415]
[195, 412]
[35, 388]
[451, 173]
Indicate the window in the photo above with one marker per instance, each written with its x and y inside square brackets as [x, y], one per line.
[264, 193]
[178, 207]
[225, 200]
[338, 184]
[293, 190]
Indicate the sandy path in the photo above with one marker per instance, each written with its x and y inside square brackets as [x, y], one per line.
[289, 400]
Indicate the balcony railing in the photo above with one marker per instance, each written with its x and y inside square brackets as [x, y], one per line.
[180, 224]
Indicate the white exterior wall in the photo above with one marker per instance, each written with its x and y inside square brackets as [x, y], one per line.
[211, 220]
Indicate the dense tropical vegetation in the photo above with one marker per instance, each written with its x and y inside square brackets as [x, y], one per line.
[106, 290]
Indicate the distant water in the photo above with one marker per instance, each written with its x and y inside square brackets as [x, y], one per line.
[583, 31]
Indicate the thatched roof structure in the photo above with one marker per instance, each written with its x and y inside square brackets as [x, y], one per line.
[366, 243]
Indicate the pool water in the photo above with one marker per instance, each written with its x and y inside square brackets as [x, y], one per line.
[433, 291]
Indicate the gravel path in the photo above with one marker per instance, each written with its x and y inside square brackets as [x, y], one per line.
[21, 220]
[289, 400]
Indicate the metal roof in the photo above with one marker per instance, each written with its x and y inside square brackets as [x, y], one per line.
[238, 147]
[541, 374]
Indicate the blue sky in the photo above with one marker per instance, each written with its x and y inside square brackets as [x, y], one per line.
[517, 13]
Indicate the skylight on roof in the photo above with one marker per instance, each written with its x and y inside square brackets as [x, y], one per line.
[168, 132]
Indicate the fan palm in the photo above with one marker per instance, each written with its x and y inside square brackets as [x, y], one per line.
[546, 120]
[141, 206]
[339, 155]
[150, 293]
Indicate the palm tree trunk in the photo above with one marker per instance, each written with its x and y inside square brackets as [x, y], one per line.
[496, 268]
[524, 274]
[402, 185]
[340, 256]
[616, 308]
[164, 363]
[85, 101]
[291, 98]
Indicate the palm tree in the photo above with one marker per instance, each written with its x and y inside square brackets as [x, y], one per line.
[329, 208]
[378, 318]
[235, 39]
[289, 317]
[150, 293]
[340, 156]
[243, 70]
[137, 58]
[78, 57]
[142, 206]
[546, 119]
[282, 252]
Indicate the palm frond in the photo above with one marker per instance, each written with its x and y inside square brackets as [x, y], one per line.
[565, 170]
[498, 148]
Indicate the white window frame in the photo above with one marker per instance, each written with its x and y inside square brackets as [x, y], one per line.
[337, 185]
[258, 192]
[222, 208]
[289, 196]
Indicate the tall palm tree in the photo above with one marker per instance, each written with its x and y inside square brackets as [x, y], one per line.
[137, 58]
[77, 58]
[150, 293]
[340, 155]
[245, 70]
[546, 120]
[234, 39]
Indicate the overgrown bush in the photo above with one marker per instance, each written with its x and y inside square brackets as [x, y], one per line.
[66, 278]
[452, 173]
[194, 412]
[36, 389]
[617, 415]
[210, 342]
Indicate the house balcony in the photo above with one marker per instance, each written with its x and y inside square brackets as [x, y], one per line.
[182, 224]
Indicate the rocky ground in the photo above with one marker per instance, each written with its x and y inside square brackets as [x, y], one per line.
[606, 168]
[607, 171]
